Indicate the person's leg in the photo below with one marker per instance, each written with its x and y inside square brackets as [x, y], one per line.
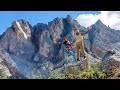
[82, 49]
[65, 56]
[78, 52]
[73, 54]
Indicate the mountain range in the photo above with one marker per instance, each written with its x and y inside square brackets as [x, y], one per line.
[30, 51]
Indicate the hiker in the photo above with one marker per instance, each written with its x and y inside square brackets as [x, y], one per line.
[67, 50]
[79, 43]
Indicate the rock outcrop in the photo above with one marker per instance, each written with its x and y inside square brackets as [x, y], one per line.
[111, 63]
[76, 68]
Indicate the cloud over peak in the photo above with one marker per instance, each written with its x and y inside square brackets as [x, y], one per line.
[111, 18]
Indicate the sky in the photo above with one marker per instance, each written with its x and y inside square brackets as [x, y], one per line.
[34, 17]
[85, 18]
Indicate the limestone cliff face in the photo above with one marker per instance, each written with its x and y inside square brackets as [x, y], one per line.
[26, 46]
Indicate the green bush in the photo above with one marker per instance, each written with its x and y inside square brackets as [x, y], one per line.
[102, 74]
[92, 74]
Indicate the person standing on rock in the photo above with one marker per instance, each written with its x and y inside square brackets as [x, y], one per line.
[67, 50]
[79, 43]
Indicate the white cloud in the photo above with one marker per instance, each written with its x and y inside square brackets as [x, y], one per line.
[111, 18]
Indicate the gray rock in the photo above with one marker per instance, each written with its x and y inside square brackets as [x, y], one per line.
[75, 68]
[111, 62]
[10, 64]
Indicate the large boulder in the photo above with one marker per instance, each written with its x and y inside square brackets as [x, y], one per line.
[76, 68]
[111, 63]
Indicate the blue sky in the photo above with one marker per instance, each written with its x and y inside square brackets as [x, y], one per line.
[34, 17]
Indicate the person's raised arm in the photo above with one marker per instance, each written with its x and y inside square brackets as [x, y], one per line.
[87, 30]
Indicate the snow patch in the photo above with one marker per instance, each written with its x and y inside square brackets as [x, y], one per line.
[18, 24]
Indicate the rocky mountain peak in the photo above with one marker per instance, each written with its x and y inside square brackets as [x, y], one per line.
[69, 17]
[22, 28]
[98, 22]
[102, 38]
